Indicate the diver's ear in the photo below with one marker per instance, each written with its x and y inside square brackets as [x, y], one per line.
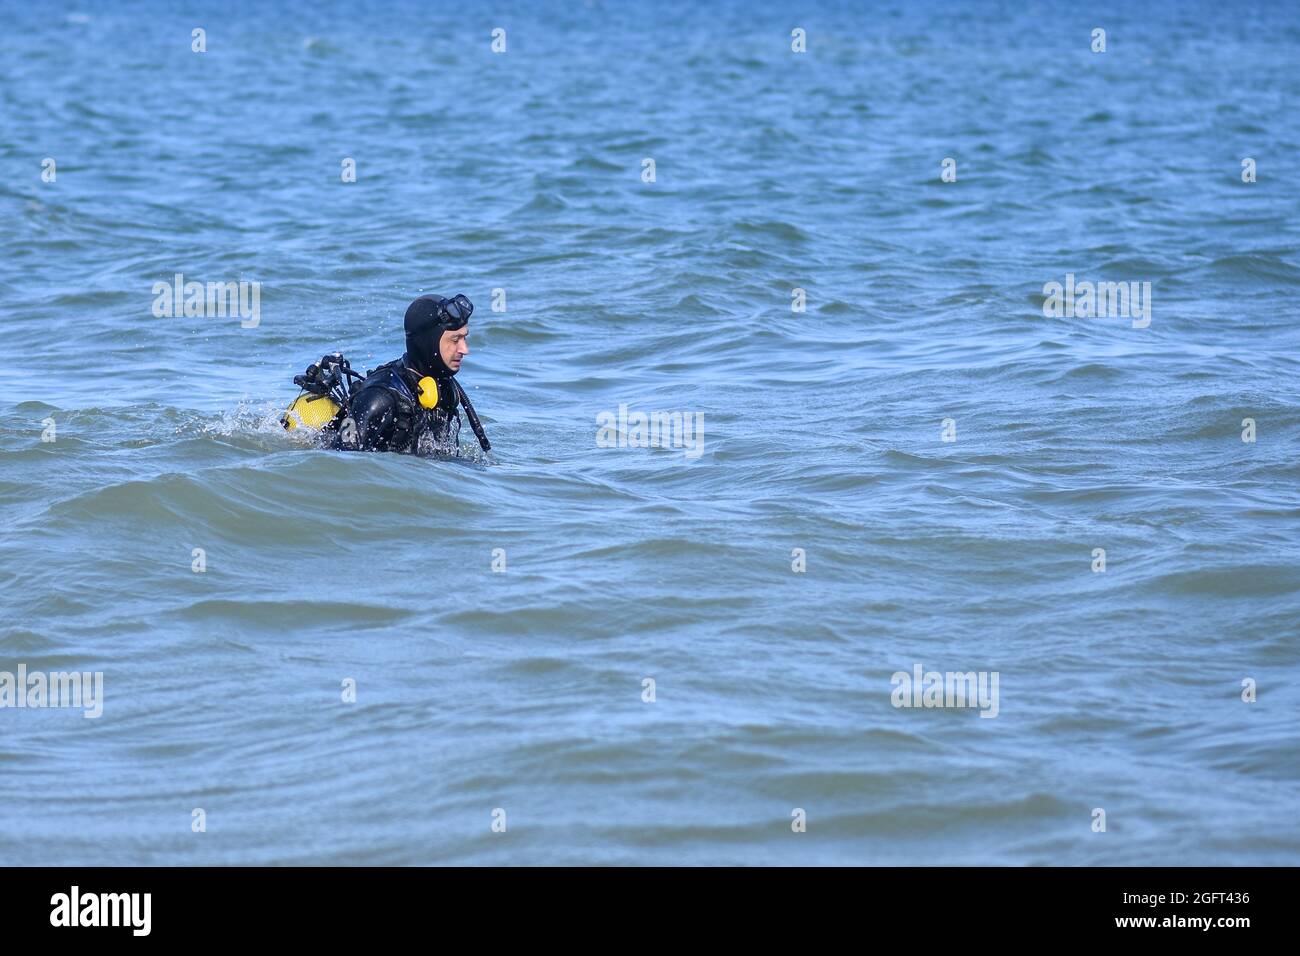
[428, 387]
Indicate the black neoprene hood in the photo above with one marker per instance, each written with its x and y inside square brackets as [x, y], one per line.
[426, 320]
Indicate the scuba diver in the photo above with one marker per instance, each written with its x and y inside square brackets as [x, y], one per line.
[409, 405]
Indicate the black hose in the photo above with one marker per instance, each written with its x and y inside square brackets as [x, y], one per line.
[474, 423]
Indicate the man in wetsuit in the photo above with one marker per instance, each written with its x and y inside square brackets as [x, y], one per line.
[410, 405]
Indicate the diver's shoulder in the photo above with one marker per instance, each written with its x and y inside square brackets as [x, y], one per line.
[389, 374]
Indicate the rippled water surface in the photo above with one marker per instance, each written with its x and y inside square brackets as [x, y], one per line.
[524, 689]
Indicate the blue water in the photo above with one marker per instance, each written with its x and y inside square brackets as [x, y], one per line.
[522, 690]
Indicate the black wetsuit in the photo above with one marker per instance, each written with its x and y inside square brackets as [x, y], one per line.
[385, 414]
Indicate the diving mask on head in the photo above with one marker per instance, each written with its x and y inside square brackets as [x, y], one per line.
[453, 313]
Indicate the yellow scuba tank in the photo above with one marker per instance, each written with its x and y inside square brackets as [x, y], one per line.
[326, 388]
[309, 411]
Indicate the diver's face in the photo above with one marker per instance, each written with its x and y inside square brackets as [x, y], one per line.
[453, 347]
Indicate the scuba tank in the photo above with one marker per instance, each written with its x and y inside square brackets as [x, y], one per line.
[326, 391]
